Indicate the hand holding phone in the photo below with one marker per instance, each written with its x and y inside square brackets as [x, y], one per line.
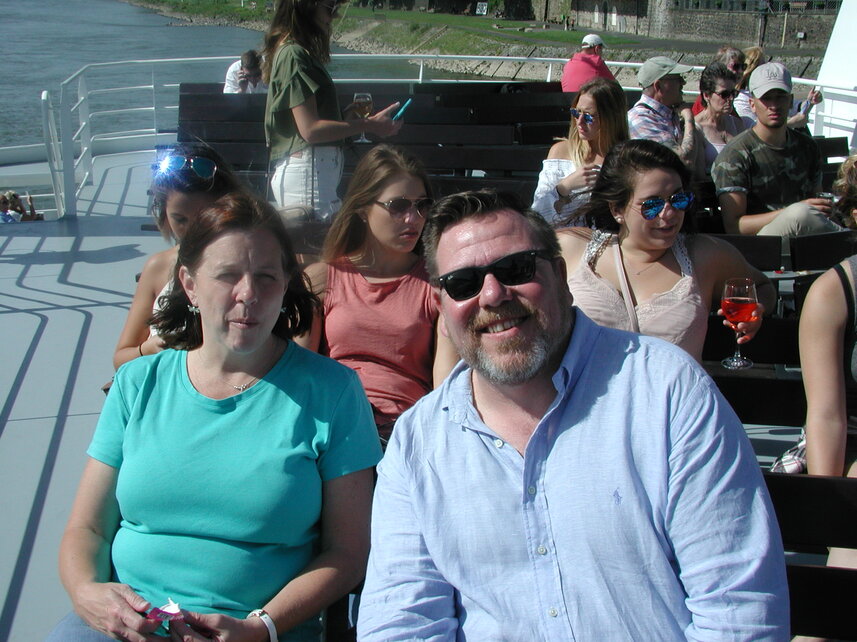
[402, 109]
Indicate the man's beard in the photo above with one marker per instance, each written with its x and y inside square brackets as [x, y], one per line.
[530, 356]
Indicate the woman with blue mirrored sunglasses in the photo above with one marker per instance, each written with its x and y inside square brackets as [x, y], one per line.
[640, 268]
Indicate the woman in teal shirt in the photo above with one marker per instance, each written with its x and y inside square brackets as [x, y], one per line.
[231, 474]
[303, 122]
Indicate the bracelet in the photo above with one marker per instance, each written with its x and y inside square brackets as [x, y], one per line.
[140, 349]
[269, 623]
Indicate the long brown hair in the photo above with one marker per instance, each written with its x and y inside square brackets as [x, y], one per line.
[612, 118]
[182, 329]
[294, 21]
[382, 163]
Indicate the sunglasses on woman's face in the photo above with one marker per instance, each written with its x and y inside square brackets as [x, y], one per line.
[587, 117]
[512, 269]
[651, 207]
[726, 94]
[201, 166]
[398, 207]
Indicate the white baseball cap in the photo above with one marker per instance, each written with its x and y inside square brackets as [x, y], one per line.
[592, 40]
[771, 75]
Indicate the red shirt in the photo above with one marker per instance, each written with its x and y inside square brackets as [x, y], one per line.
[583, 67]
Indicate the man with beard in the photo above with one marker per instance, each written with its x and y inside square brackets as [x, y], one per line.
[566, 481]
[660, 114]
[766, 177]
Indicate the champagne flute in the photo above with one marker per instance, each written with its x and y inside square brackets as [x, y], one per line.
[739, 305]
[363, 108]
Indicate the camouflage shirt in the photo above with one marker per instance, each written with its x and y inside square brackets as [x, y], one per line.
[773, 178]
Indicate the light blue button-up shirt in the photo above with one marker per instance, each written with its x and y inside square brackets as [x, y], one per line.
[637, 512]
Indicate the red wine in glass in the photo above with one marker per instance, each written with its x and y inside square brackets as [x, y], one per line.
[739, 306]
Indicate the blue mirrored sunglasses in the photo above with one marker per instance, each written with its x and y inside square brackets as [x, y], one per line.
[651, 207]
[587, 117]
[201, 166]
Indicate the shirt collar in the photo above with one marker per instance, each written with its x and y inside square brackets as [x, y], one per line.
[660, 108]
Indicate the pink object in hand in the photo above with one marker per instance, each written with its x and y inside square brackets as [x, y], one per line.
[168, 612]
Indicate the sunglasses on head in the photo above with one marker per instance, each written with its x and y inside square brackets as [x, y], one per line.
[651, 207]
[203, 167]
[401, 206]
[587, 117]
[513, 269]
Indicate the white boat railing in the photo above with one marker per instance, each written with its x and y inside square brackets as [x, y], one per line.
[133, 105]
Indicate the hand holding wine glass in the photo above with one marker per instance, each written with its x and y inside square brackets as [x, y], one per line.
[362, 109]
[739, 305]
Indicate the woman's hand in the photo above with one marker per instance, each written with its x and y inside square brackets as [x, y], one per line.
[581, 178]
[747, 330]
[153, 345]
[116, 610]
[382, 123]
[215, 626]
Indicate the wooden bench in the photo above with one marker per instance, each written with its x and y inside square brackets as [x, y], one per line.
[813, 513]
[822, 251]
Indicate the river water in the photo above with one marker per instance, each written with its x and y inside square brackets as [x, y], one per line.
[46, 41]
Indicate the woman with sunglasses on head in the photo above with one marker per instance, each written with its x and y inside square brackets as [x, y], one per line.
[232, 473]
[599, 120]
[641, 268]
[187, 179]
[379, 315]
[715, 122]
[303, 122]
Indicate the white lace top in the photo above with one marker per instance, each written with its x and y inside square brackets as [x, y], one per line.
[545, 198]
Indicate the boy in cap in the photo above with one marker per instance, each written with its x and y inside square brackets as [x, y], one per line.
[585, 64]
[660, 115]
[767, 175]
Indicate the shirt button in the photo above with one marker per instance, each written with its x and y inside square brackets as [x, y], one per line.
[531, 490]
[541, 550]
[553, 612]
[498, 443]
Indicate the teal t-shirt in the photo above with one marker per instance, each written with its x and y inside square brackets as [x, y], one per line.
[220, 500]
[295, 76]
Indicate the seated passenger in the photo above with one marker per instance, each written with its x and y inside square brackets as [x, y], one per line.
[186, 181]
[734, 60]
[244, 76]
[715, 122]
[7, 215]
[828, 357]
[17, 209]
[767, 176]
[598, 121]
[232, 473]
[640, 269]
[379, 315]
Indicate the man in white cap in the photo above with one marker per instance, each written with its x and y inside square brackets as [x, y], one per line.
[766, 176]
[660, 115]
[585, 64]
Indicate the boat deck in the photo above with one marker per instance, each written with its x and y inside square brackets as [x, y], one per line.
[66, 288]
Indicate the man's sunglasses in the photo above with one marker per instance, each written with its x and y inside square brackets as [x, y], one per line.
[651, 207]
[400, 206]
[201, 166]
[587, 117]
[513, 269]
[726, 94]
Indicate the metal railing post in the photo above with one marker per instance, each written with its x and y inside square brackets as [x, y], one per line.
[69, 182]
[84, 117]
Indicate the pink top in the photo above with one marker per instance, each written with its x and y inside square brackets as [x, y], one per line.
[583, 67]
[679, 316]
[383, 331]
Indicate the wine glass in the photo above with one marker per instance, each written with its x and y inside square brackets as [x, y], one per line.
[739, 304]
[362, 107]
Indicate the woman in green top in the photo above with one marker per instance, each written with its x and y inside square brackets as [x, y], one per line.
[303, 122]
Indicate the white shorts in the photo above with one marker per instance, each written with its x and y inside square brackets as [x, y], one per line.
[309, 178]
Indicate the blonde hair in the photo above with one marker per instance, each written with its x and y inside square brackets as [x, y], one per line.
[612, 119]
[845, 186]
[754, 56]
[382, 163]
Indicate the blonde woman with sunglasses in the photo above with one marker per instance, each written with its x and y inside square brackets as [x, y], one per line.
[598, 121]
[303, 121]
[188, 179]
[379, 315]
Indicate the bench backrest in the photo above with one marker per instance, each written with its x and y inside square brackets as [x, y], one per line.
[822, 251]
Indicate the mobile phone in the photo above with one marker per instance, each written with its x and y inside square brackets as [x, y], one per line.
[402, 109]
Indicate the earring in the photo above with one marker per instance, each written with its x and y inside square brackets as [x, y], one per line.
[192, 308]
[619, 220]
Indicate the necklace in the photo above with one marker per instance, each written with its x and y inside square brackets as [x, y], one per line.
[243, 386]
[650, 265]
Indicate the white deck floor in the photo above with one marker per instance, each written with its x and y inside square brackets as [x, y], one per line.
[65, 287]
